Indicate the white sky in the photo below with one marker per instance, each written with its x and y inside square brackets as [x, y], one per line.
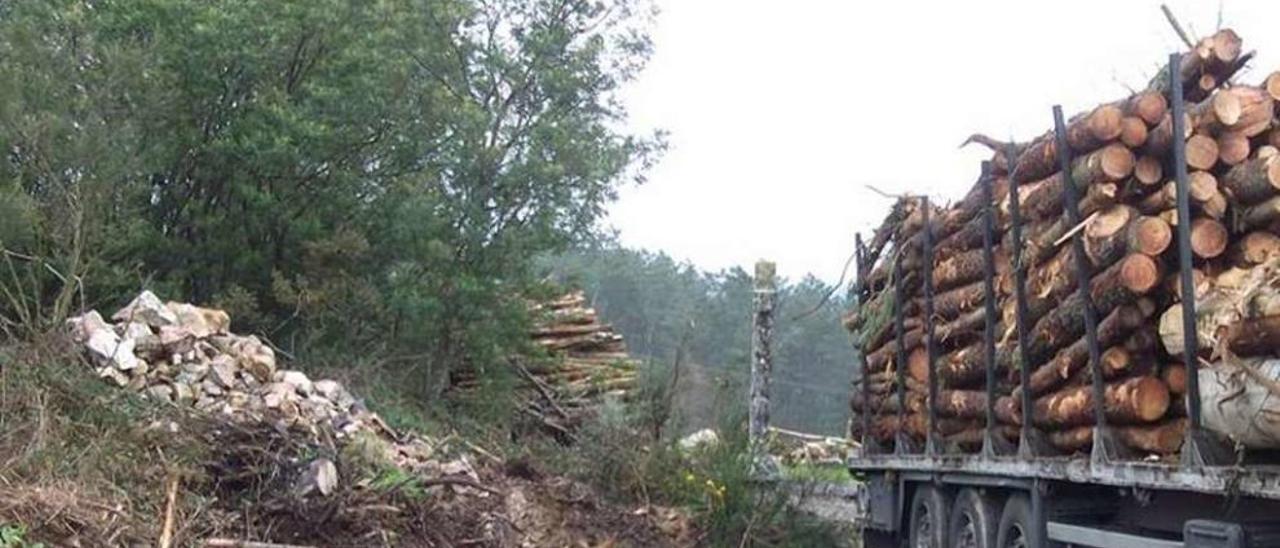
[781, 112]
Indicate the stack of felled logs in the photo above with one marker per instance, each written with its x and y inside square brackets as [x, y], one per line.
[588, 362]
[1123, 176]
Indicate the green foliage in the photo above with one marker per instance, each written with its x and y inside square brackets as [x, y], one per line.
[14, 536]
[373, 177]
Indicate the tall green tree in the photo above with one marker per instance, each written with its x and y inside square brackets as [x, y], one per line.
[373, 177]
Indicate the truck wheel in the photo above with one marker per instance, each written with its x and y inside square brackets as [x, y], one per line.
[1016, 527]
[974, 521]
[928, 525]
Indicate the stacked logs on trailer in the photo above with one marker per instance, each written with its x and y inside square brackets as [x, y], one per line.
[1121, 169]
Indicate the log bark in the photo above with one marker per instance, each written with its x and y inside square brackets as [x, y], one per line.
[1112, 329]
[958, 270]
[1130, 401]
[1255, 248]
[1121, 229]
[1252, 181]
[952, 303]
[1216, 57]
[1119, 284]
[1253, 336]
[1164, 438]
[1202, 189]
[1084, 134]
[1260, 215]
[1043, 198]
[1160, 139]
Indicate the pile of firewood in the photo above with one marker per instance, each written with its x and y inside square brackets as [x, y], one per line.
[1123, 174]
[586, 362]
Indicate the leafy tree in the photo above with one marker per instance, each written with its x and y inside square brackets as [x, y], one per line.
[368, 177]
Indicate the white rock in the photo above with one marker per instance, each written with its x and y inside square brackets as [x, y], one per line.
[201, 322]
[182, 393]
[298, 380]
[224, 370]
[148, 309]
[211, 388]
[84, 325]
[107, 347]
[160, 392]
[114, 375]
[700, 439]
[198, 370]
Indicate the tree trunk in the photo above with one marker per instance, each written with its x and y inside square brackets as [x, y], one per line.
[952, 303]
[1043, 199]
[1260, 215]
[1160, 138]
[1164, 438]
[960, 269]
[1067, 361]
[1252, 181]
[1255, 248]
[1136, 400]
[1084, 134]
[1174, 376]
[1121, 230]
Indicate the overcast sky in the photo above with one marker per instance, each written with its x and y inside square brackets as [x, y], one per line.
[781, 113]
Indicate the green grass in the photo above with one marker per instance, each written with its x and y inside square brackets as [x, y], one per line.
[825, 473]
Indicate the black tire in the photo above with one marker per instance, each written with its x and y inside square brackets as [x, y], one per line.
[928, 525]
[1017, 529]
[974, 521]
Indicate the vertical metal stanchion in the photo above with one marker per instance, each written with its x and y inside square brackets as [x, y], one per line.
[1030, 442]
[859, 254]
[902, 441]
[992, 443]
[869, 443]
[1104, 450]
[933, 445]
[1201, 447]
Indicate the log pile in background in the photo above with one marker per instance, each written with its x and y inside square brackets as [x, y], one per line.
[1122, 173]
[589, 360]
[587, 363]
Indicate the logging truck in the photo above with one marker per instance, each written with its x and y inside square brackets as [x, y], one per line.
[1083, 350]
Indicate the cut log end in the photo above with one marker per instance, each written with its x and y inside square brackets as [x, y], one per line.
[1116, 162]
[1140, 273]
[1202, 152]
[1151, 398]
[1208, 238]
[1133, 131]
[1152, 236]
[1148, 170]
[1105, 122]
[1272, 85]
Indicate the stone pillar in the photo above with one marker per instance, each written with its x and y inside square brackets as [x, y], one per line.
[762, 353]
